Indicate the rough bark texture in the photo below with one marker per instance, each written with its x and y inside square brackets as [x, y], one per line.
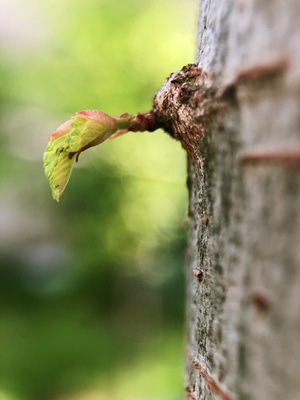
[238, 117]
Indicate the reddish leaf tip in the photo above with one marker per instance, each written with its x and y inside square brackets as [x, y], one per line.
[61, 130]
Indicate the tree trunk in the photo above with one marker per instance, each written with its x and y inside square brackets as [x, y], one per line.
[238, 118]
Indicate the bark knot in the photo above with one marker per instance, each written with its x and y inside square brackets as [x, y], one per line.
[185, 106]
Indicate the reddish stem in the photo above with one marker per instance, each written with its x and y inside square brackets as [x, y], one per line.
[143, 122]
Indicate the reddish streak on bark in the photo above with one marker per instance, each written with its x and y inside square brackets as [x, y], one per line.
[190, 394]
[262, 72]
[210, 382]
[205, 221]
[289, 157]
[260, 301]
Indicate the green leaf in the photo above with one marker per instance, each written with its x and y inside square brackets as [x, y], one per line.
[86, 129]
[58, 167]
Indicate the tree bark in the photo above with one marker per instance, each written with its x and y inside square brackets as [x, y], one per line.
[237, 114]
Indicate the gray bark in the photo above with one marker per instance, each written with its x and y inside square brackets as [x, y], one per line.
[239, 121]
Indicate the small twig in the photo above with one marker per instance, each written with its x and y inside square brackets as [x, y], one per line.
[214, 386]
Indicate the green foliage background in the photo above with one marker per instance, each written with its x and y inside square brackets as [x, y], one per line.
[91, 289]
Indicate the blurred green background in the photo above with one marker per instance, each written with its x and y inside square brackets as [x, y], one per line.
[91, 289]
